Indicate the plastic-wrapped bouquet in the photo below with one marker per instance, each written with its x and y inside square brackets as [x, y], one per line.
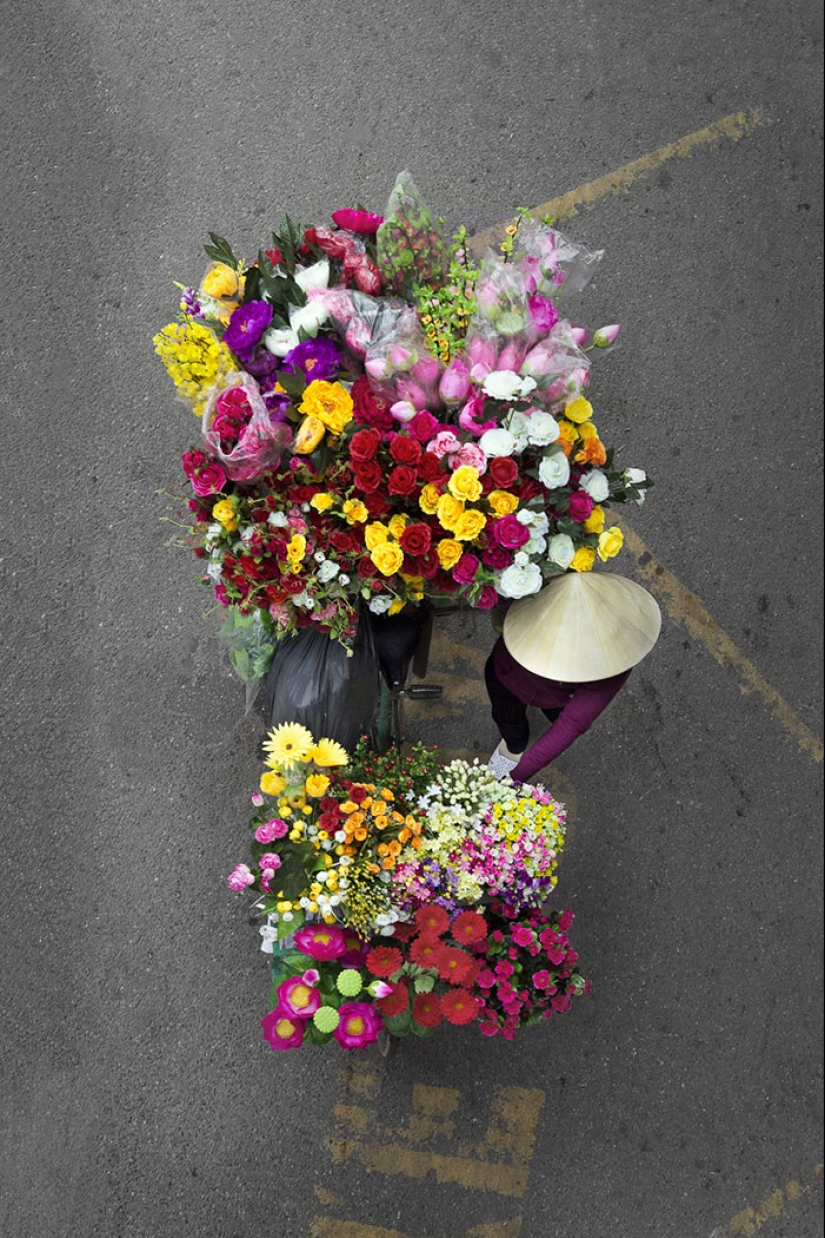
[382, 420]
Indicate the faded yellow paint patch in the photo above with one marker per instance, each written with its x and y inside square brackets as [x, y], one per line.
[328, 1198]
[751, 1220]
[729, 129]
[329, 1227]
[687, 610]
[499, 1162]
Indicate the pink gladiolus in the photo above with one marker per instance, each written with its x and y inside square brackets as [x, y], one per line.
[240, 878]
[605, 336]
[455, 383]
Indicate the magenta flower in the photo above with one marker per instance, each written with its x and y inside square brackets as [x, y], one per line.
[522, 936]
[424, 426]
[510, 532]
[270, 860]
[357, 221]
[298, 998]
[240, 878]
[543, 313]
[270, 830]
[542, 979]
[359, 1026]
[466, 568]
[321, 941]
[319, 359]
[455, 383]
[282, 1030]
[247, 325]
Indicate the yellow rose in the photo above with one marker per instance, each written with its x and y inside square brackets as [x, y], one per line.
[330, 403]
[449, 552]
[321, 502]
[588, 430]
[220, 281]
[449, 510]
[580, 410]
[502, 502]
[595, 521]
[610, 543]
[387, 558]
[316, 785]
[469, 525]
[397, 525]
[568, 433]
[296, 549]
[428, 499]
[396, 606]
[272, 783]
[355, 511]
[224, 513]
[464, 483]
[375, 534]
[583, 559]
[308, 436]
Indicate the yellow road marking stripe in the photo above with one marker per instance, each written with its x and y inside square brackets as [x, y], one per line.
[687, 610]
[748, 1222]
[729, 128]
[330, 1227]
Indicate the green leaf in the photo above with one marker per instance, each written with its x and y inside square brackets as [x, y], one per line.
[221, 251]
[418, 1030]
[424, 984]
[294, 382]
[398, 1024]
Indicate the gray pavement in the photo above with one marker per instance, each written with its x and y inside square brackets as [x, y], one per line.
[684, 1100]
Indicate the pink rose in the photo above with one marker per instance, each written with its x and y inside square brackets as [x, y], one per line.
[579, 506]
[444, 442]
[509, 532]
[209, 479]
[469, 453]
[465, 569]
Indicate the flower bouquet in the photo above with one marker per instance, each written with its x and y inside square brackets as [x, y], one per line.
[396, 893]
[381, 419]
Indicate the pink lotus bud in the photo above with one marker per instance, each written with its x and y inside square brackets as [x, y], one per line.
[480, 371]
[311, 976]
[379, 989]
[578, 335]
[403, 357]
[468, 417]
[455, 382]
[511, 356]
[482, 351]
[403, 411]
[377, 367]
[427, 369]
[414, 392]
[605, 336]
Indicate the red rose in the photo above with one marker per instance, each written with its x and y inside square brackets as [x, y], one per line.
[496, 557]
[292, 583]
[375, 504]
[429, 467]
[368, 476]
[416, 539]
[529, 489]
[504, 471]
[364, 444]
[342, 541]
[403, 480]
[427, 564]
[366, 568]
[405, 450]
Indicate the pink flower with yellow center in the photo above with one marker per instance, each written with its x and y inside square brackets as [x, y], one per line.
[298, 998]
[359, 1025]
[282, 1030]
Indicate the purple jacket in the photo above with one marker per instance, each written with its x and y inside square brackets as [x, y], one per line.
[580, 705]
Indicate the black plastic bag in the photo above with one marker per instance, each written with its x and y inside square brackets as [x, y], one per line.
[312, 681]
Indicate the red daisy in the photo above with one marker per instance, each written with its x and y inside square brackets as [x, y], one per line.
[427, 950]
[395, 1003]
[432, 919]
[468, 927]
[384, 960]
[427, 1009]
[453, 965]
[402, 931]
[459, 1006]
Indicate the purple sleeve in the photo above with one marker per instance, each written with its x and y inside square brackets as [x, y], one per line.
[583, 708]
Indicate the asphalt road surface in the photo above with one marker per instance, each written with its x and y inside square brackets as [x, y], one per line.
[684, 1099]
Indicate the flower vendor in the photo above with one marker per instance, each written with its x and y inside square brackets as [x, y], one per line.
[566, 651]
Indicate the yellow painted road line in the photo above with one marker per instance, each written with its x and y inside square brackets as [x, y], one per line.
[331, 1227]
[747, 1223]
[729, 129]
[686, 609]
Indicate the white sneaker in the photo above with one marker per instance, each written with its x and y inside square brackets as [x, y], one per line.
[500, 765]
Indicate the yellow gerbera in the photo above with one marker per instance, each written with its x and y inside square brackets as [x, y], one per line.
[288, 744]
[327, 752]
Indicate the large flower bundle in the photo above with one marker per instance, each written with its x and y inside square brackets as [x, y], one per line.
[441, 864]
[383, 419]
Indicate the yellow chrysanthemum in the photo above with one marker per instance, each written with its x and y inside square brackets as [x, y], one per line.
[327, 753]
[330, 403]
[583, 559]
[355, 511]
[288, 744]
[375, 534]
[579, 410]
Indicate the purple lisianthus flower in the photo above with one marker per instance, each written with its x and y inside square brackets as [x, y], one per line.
[319, 359]
[246, 326]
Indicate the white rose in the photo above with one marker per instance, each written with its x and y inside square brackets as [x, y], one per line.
[277, 519]
[505, 385]
[518, 426]
[542, 429]
[497, 443]
[279, 340]
[632, 477]
[519, 582]
[536, 545]
[214, 571]
[560, 550]
[379, 605]
[308, 318]
[328, 571]
[554, 470]
[596, 485]
[316, 276]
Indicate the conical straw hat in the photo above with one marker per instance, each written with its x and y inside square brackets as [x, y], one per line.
[583, 627]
